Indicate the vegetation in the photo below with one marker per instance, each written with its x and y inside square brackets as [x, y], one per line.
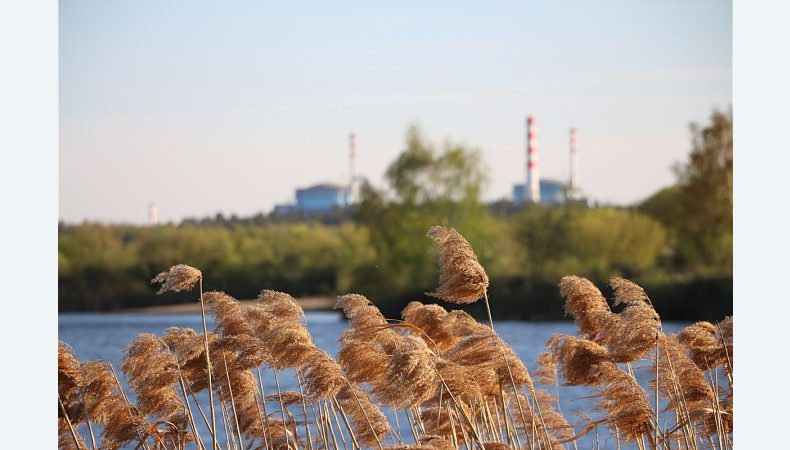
[698, 209]
[677, 243]
[447, 380]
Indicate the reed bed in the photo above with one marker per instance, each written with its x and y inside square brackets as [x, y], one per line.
[448, 381]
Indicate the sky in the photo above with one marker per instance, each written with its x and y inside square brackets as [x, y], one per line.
[228, 107]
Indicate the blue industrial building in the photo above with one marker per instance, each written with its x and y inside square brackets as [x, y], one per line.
[319, 198]
[322, 198]
[552, 192]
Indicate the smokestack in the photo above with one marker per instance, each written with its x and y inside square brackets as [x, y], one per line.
[532, 188]
[574, 162]
[352, 167]
[153, 218]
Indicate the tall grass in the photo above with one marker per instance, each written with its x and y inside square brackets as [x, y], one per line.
[448, 381]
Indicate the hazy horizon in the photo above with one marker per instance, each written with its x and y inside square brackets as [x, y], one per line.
[206, 108]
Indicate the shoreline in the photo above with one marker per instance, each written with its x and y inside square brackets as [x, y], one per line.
[307, 304]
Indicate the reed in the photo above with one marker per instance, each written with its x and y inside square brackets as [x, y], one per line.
[449, 381]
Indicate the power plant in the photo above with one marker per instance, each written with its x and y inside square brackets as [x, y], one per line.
[325, 197]
[538, 190]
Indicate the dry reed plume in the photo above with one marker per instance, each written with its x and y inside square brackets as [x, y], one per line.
[707, 345]
[638, 325]
[461, 277]
[588, 307]
[547, 369]
[584, 362]
[448, 381]
[180, 277]
[683, 366]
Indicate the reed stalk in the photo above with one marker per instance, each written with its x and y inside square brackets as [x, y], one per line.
[265, 419]
[282, 409]
[304, 409]
[208, 367]
[198, 439]
[68, 421]
[232, 401]
[328, 425]
[348, 425]
[332, 409]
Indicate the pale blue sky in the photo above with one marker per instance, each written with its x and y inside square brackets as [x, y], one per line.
[228, 106]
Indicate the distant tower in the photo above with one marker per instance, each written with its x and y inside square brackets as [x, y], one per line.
[153, 218]
[352, 168]
[574, 162]
[532, 188]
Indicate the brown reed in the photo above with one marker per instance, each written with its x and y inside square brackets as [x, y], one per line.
[550, 423]
[67, 438]
[370, 424]
[433, 320]
[153, 373]
[638, 325]
[180, 277]
[547, 370]
[704, 344]
[69, 382]
[584, 362]
[461, 277]
[588, 307]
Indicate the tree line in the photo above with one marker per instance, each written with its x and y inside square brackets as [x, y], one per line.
[677, 243]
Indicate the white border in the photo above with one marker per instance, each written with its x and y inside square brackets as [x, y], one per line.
[29, 174]
[761, 98]
[29, 201]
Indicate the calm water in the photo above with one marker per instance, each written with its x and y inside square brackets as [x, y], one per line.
[105, 336]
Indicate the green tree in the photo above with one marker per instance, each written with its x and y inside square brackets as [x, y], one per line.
[428, 185]
[597, 242]
[698, 209]
[423, 174]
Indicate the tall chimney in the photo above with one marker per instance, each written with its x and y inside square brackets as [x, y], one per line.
[574, 162]
[532, 188]
[352, 168]
[153, 218]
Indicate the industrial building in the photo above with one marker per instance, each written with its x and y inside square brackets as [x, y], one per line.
[325, 197]
[322, 198]
[319, 198]
[552, 192]
[547, 191]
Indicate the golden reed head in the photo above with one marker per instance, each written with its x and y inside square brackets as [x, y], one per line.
[180, 277]
[461, 277]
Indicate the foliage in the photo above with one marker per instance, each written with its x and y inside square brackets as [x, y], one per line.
[677, 239]
[595, 242]
[698, 210]
[105, 267]
[427, 186]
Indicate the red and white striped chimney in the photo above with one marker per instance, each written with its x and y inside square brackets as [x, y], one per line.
[532, 188]
[574, 161]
